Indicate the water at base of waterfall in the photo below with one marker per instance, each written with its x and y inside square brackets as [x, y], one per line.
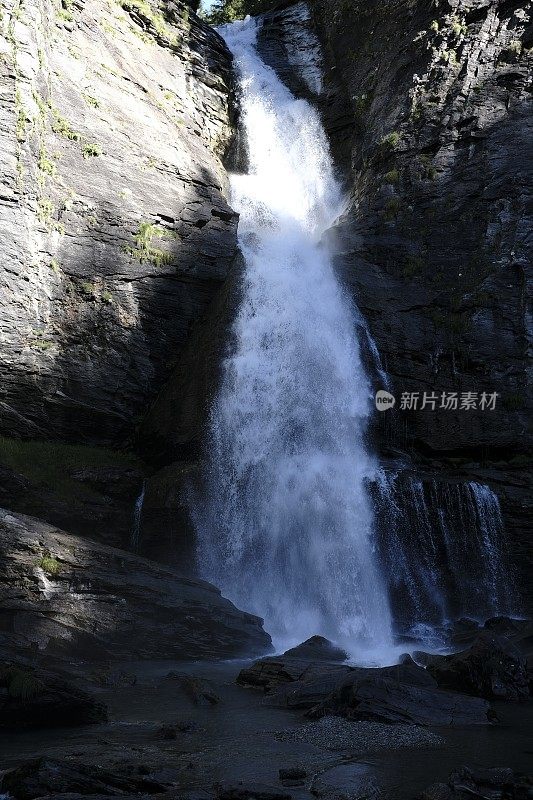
[286, 521]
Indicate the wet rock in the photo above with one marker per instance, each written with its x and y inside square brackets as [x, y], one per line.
[166, 732]
[198, 690]
[292, 776]
[68, 597]
[299, 684]
[317, 648]
[32, 698]
[507, 626]
[293, 684]
[43, 777]
[492, 784]
[492, 667]
[346, 782]
[464, 631]
[251, 792]
[385, 700]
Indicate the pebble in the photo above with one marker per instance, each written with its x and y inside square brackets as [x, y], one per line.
[336, 733]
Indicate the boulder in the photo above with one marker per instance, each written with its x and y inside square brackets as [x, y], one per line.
[68, 596]
[317, 648]
[198, 690]
[292, 683]
[385, 700]
[43, 777]
[496, 784]
[31, 698]
[492, 668]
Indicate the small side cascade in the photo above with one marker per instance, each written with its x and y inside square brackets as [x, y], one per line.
[135, 540]
[443, 548]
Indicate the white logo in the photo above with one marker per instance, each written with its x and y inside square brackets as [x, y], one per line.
[384, 400]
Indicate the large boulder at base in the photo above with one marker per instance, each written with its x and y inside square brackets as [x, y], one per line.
[43, 777]
[67, 596]
[317, 648]
[35, 698]
[273, 672]
[496, 784]
[294, 683]
[386, 700]
[492, 667]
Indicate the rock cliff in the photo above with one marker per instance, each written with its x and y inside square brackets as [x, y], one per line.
[67, 597]
[114, 224]
[428, 110]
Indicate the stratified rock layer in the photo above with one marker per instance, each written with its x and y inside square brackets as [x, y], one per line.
[114, 227]
[65, 596]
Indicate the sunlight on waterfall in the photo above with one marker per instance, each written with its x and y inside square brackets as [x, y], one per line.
[287, 529]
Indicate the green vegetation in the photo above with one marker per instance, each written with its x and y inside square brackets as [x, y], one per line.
[449, 56]
[22, 118]
[88, 289]
[91, 150]
[45, 209]
[62, 127]
[49, 464]
[45, 164]
[458, 26]
[90, 100]
[50, 565]
[145, 250]
[143, 9]
[106, 297]
[390, 142]
[393, 208]
[392, 177]
[21, 684]
[229, 10]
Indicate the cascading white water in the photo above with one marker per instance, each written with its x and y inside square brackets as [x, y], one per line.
[287, 527]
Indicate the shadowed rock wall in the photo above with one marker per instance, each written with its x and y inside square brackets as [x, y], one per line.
[114, 226]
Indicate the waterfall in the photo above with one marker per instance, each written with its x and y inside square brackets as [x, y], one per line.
[296, 521]
[286, 527]
[442, 546]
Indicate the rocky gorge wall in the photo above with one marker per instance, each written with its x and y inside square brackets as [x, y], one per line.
[119, 263]
[115, 228]
[428, 110]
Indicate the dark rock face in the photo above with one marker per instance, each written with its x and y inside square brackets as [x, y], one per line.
[492, 667]
[317, 648]
[495, 783]
[68, 597]
[46, 777]
[404, 693]
[116, 232]
[101, 509]
[31, 698]
[385, 700]
[428, 114]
